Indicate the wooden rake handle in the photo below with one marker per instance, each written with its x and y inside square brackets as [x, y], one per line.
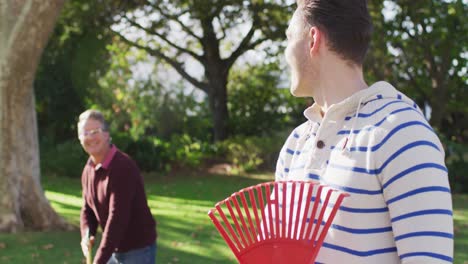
[89, 257]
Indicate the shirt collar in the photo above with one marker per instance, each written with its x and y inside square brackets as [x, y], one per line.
[312, 113]
[107, 160]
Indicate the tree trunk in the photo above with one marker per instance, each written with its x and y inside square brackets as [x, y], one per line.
[438, 103]
[218, 106]
[25, 26]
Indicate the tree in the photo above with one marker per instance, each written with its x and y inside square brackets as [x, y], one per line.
[145, 107]
[73, 61]
[258, 105]
[189, 33]
[423, 52]
[25, 26]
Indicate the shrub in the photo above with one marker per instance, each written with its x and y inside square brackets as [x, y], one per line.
[62, 159]
[456, 160]
[151, 154]
[252, 153]
[186, 151]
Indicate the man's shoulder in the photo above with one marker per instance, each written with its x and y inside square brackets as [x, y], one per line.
[392, 111]
[123, 160]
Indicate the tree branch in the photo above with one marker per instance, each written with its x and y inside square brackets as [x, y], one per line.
[222, 28]
[165, 39]
[415, 84]
[257, 42]
[175, 18]
[179, 67]
[243, 47]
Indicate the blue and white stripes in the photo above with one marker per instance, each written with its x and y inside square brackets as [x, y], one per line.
[400, 207]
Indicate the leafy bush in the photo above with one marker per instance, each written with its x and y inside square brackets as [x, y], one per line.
[155, 154]
[252, 153]
[62, 159]
[186, 151]
[151, 154]
[456, 160]
[257, 104]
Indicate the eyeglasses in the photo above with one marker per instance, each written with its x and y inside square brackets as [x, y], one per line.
[85, 134]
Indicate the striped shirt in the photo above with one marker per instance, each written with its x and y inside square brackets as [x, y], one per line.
[377, 146]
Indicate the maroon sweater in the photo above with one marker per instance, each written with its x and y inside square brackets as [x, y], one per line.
[114, 197]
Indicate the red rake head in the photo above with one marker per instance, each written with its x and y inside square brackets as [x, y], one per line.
[277, 222]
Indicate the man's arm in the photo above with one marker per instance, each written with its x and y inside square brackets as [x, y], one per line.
[88, 220]
[416, 189]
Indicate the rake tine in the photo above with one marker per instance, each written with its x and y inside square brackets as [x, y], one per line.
[298, 210]
[291, 208]
[322, 213]
[283, 208]
[277, 215]
[262, 211]
[328, 223]
[308, 199]
[249, 218]
[228, 225]
[236, 223]
[270, 214]
[253, 201]
[224, 234]
[241, 218]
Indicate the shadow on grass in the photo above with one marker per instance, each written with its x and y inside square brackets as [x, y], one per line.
[64, 185]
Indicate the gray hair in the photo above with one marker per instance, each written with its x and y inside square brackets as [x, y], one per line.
[95, 115]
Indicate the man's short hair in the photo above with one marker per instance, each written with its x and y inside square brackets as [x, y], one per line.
[346, 23]
[95, 115]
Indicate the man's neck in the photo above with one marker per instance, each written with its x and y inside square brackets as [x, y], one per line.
[338, 81]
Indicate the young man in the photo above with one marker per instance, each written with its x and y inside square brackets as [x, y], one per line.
[114, 198]
[372, 142]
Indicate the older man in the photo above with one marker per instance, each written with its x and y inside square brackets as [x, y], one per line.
[114, 198]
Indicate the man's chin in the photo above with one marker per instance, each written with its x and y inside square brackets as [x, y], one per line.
[299, 92]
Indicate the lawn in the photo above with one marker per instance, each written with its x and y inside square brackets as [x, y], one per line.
[180, 204]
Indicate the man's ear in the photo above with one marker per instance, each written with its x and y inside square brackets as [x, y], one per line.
[315, 36]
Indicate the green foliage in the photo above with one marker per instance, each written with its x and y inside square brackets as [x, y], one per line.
[456, 160]
[69, 69]
[184, 33]
[420, 47]
[147, 106]
[62, 159]
[185, 151]
[257, 105]
[252, 153]
[160, 155]
[149, 153]
[72, 62]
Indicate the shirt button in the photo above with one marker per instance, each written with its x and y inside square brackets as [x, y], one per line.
[320, 144]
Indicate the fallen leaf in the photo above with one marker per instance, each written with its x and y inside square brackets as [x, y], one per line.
[47, 246]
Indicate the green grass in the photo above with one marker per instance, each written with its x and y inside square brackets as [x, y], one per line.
[460, 208]
[180, 204]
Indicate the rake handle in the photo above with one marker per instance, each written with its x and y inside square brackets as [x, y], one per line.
[89, 257]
